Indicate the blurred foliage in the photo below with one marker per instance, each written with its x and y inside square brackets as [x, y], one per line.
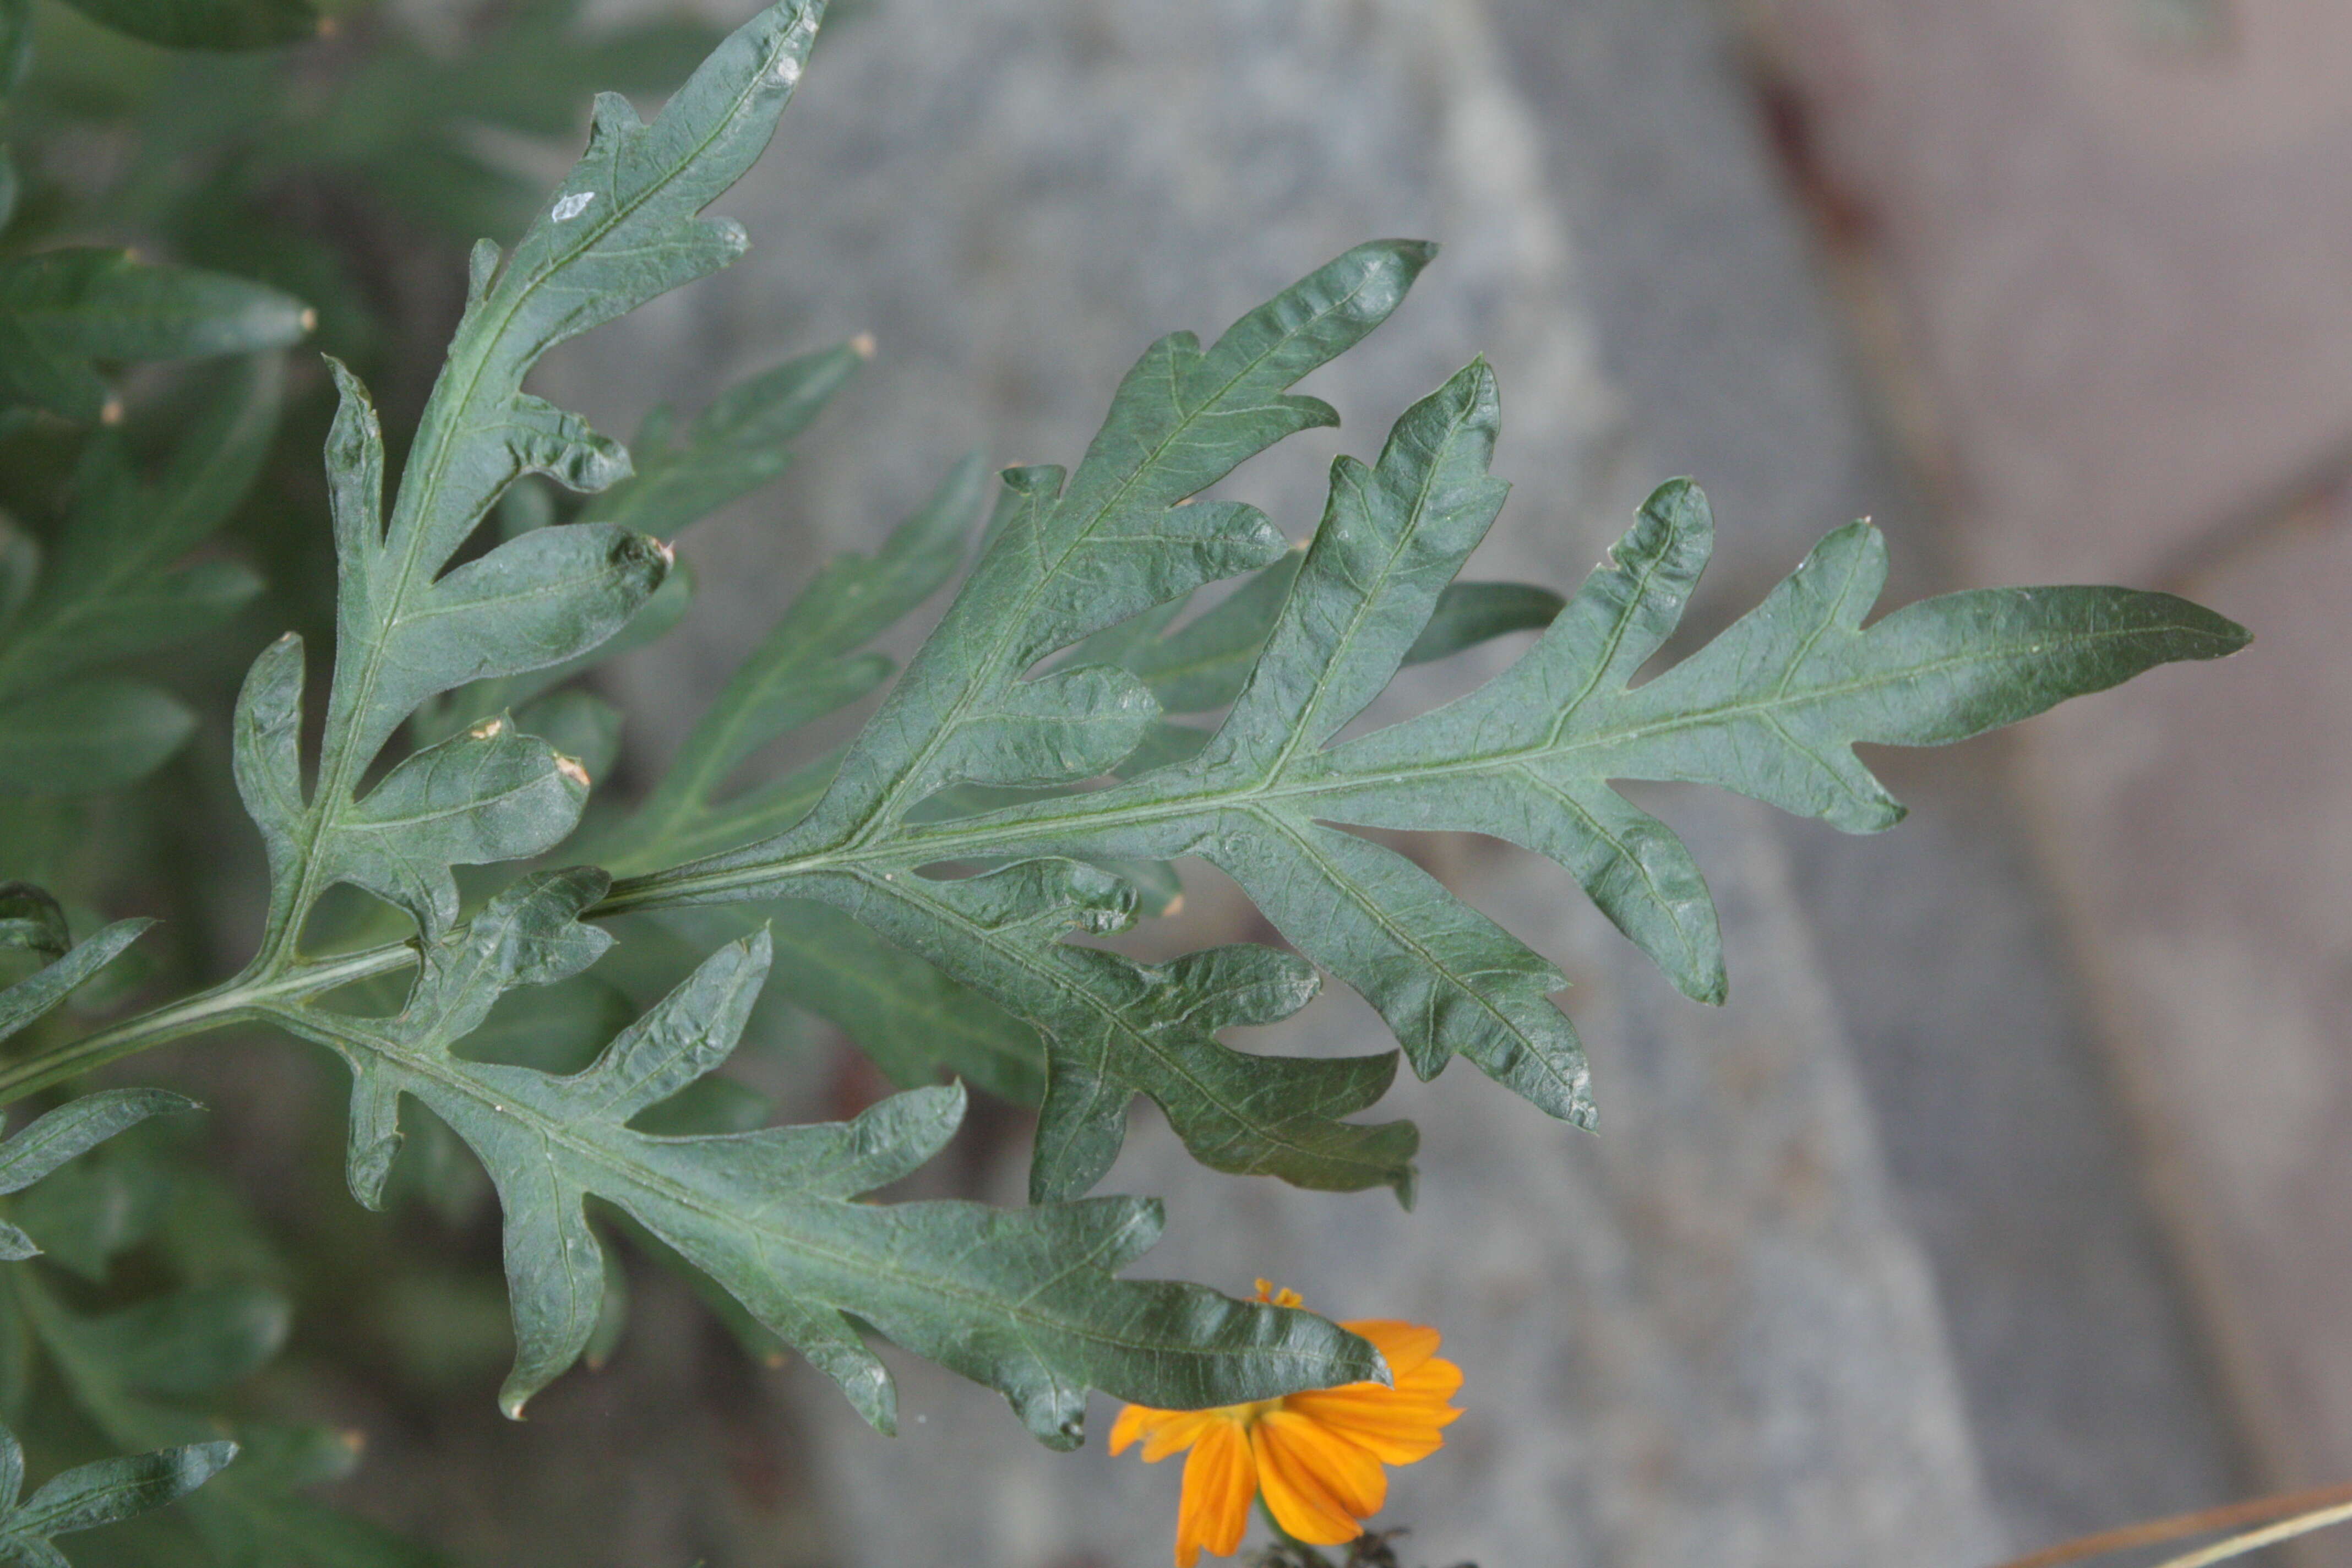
[165, 213]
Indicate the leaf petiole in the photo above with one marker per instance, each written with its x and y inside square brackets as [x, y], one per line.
[241, 1000]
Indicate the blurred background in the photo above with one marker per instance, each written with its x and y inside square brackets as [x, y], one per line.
[2003, 1201]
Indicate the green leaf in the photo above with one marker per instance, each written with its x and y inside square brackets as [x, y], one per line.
[1026, 1301]
[911, 1019]
[809, 666]
[50, 1140]
[73, 1128]
[1022, 1300]
[207, 24]
[622, 228]
[38, 992]
[1118, 539]
[491, 794]
[105, 1492]
[1065, 562]
[733, 448]
[470, 705]
[192, 1341]
[87, 736]
[1772, 709]
[32, 919]
[62, 311]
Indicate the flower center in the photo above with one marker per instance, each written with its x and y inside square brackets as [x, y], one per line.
[1249, 1415]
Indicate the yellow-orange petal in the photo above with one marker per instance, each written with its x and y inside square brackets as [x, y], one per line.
[1352, 1475]
[1404, 1346]
[1435, 1381]
[1134, 1421]
[1397, 1426]
[1188, 1428]
[1220, 1480]
[1296, 1495]
[1392, 1436]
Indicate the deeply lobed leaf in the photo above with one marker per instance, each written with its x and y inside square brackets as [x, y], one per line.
[1772, 708]
[625, 226]
[1064, 562]
[1027, 1302]
[1022, 1300]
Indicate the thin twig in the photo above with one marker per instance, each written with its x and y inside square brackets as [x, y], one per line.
[2148, 1533]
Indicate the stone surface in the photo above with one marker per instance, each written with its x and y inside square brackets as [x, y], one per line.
[1705, 294]
[2088, 1380]
[2084, 1378]
[2204, 820]
[2116, 234]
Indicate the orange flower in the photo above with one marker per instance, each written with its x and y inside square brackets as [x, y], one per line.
[1315, 1456]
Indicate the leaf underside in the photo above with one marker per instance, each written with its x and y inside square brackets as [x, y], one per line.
[1771, 709]
[1025, 1300]
[1020, 780]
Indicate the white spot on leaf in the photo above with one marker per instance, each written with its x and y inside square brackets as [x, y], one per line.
[572, 205]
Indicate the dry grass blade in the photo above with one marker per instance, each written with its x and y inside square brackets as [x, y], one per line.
[2309, 1511]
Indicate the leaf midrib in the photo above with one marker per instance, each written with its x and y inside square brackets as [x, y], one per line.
[335, 790]
[1054, 822]
[1404, 938]
[1306, 720]
[886, 809]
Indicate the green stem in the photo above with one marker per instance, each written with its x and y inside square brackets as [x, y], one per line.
[235, 1001]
